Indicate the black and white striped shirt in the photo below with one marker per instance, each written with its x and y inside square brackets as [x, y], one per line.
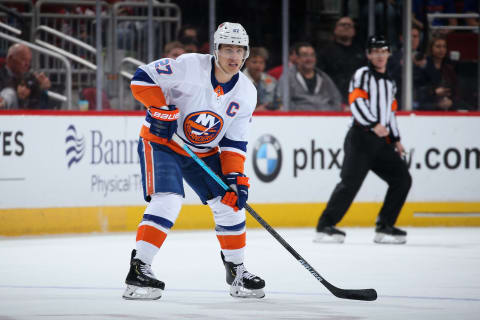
[372, 100]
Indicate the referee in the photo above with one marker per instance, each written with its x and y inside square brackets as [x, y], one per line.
[372, 143]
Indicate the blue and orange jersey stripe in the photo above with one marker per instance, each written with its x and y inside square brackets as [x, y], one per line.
[232, 162]
[233, 155]
[145, 90]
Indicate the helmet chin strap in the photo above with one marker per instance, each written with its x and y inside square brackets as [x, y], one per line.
[221, 68]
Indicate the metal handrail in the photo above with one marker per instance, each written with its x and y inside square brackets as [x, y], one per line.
[116, 18]
[10, 28]
[62, 35]
[39, 4]
[161, 5]
[133, 61]
[452, 15]
[127, 75]
[57, 96]
[67, 54]
[68, 67]
[21, 15]
[431, 16]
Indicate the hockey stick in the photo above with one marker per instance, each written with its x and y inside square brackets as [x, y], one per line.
[353, 294]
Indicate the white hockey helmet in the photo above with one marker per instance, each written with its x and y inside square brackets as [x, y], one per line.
[230, 33]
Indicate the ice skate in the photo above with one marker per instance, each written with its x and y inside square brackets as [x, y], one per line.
[389, 235]
[141, 282]
[329, 234]
[242, 283]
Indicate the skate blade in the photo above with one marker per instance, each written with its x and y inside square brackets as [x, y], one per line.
[241, 292]
[142, 293]
[383, 238]
[325, 238]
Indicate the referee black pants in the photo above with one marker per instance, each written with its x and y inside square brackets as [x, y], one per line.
[364, 151]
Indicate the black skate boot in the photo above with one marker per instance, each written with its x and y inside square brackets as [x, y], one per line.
[329, 234]
[242, 283]
[389, 235]
[141, 282]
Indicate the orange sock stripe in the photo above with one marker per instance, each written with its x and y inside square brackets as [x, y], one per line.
[151, 235]
[232, 242]
[147, 149]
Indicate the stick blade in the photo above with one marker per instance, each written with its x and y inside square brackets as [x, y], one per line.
[360, 294]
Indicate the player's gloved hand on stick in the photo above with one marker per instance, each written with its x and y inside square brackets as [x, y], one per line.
[238, 182]
[163, 121]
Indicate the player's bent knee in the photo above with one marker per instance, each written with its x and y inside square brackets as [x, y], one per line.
[225, 215]
[166, 205]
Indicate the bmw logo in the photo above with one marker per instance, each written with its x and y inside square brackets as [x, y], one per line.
[267, 158]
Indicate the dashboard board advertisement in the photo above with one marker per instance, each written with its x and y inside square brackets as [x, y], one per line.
[67, 161]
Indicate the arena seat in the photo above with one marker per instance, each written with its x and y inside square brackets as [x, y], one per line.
[464, 42]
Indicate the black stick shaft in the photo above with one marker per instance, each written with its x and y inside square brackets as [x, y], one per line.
[361, 294]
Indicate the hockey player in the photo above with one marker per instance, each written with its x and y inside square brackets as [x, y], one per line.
[208, 103]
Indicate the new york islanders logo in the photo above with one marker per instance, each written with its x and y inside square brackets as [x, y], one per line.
[202, 127]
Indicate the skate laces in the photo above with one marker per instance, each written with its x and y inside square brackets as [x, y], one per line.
[147, 269]
[242, 273]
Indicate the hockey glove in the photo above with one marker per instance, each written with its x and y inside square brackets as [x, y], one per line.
[163, 122]
[239, 184]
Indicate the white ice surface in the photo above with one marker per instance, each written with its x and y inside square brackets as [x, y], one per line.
[436, 275]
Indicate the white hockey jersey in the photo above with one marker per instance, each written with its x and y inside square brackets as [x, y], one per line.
[211, 114]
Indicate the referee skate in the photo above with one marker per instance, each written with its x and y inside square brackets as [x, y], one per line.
[329, 234]
[390, 235]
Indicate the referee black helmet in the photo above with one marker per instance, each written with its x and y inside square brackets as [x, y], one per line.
[377, 41]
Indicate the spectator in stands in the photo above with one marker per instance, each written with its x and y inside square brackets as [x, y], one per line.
[438, 83]
[395, 65]
[388, 19]
[471, 6]
[340, 58]
[421, 8]
[173, 49]
[190, 44]
[188, 30]
[277, 71]
[310, 88]
[265, 84]
[21, 88]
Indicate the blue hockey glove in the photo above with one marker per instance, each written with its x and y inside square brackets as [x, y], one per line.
[239, 184]
[163, 122]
